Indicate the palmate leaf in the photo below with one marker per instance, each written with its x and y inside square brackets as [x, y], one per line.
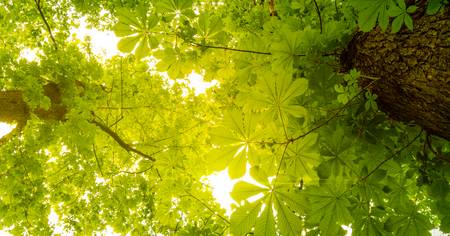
[279, 206]
[243, 190]
[275, 94]
[175, 8]
[286, 50]
[330, 206]
[135, 30]
[265, 224]
[372, 10]
[303, 157]
[368, 226]
[210, 27]
[234, 138]
[414, 224]
[244, 218]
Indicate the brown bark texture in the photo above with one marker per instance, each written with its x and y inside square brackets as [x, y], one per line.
[414, 71]
[13, 108]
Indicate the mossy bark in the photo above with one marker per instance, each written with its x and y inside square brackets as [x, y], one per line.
[414, 71]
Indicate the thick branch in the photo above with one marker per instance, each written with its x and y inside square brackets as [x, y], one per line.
[41, 13]
[120, 141]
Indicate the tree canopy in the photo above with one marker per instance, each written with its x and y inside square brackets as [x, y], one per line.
[125, 142]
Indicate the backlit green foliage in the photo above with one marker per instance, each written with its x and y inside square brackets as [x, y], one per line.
[135, 145]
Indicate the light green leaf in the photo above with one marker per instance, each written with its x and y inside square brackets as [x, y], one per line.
[409, 22]
[397, 23]
[121, 29]
[238, 165]
[143, 48]
[129, 43]
[288, 222]
[411, 9]
[265, 224]
[244, 218]
[243, 190]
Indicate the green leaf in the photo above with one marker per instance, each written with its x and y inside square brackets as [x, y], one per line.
[330, 207]
[235, 135]
[259, 175]
[397, 23]
[243, 190]
[143, 48]
[371, 11]
[121, 29]
[244, 218]
[276, 96]
[129, 43]
[288, 222]
[414, 224]
[265, 224]
[411, 9]
[303, 157]
[409, 22]
[433, 7]
[445, 224]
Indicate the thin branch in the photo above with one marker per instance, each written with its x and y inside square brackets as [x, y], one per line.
[320, 17]
[120, 141]
[230, 49]
[281, 161]
[331, 117]
[255, 52]
[392, 156]
[136, 172]
[41, 13]
[96, 159]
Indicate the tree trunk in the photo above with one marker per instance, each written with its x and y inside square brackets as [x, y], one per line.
[414, 71]
[13, 109]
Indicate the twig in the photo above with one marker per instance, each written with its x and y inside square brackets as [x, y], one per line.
[120, 141]
[136, 172]
[281, 161]
[392, 156]
[255, 52]
[331, 117]
[230, 49]
[320, 17]
[41, 13]
[96, 159]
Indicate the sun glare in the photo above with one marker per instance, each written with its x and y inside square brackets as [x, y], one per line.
[6, 128]
[222, 185]
[103, 43]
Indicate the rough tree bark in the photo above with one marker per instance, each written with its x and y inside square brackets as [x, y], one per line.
[414, 70]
